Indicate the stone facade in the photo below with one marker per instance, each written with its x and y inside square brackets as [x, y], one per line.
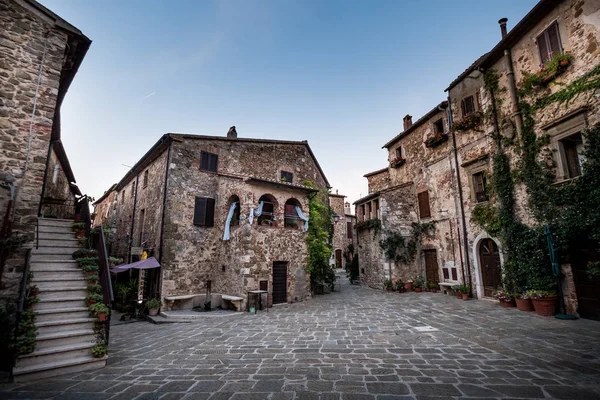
[343, 230]
[190, 254]
[435, 169]
[39, 56]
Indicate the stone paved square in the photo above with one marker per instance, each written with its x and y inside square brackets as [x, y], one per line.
[356, 344]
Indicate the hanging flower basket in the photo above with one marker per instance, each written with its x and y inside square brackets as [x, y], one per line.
[469, 122]
[436, 139]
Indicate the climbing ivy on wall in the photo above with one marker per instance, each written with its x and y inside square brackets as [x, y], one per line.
[403, 249]
[568, 208]
[318, 236]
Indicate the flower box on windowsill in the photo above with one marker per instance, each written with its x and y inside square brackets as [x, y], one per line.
[470, 121]
[397, 162]
[436, 139]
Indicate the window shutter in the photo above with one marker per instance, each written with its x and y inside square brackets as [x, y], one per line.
[210, 212]
[424, 210]
[200, 211]
[543, 47]
[349, 230]
[208, 161]
[554, 39]
[463, 107]
[214, 160]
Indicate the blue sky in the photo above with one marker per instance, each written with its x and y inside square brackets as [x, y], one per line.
[340, 74]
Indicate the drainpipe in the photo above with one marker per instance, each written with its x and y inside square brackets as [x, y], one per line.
[133, 218]
[512, 86]
[462, 206]
[163, 217]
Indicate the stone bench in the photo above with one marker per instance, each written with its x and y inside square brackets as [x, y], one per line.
[235, 301]
[184, 299]
[445, 287]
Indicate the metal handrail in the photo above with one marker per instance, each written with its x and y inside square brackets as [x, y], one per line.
[104, 276]
[21, 303]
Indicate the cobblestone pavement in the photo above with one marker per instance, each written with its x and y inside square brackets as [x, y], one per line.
[360, 344]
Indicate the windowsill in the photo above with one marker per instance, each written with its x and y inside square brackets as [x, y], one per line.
[565, 181]
[481, 202]
[209, 172]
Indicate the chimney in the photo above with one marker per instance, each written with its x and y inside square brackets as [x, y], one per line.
[502, 23]
[232, 134]
[336, 191]
[347, 209]
[407, 121]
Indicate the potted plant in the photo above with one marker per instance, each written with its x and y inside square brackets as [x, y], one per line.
[397, 162]
[33, 291]
[544, 302]
[523, 301]
[408, 285]
[388, 285]
[399, 285]
[93, 298]
[99, 350]
[99, 310]
[505, 298]
[90, 270]
[464, 291]
[126, 317]
[30, 301]
[457, 292]
[419, 283]
[94, 288]
[432, 286]
[79, 228]
[434, 140]
[153, 306]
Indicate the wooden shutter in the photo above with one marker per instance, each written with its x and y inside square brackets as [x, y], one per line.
[543, 47]
[467, 105]
[204, 212]
[208, 161]
[424, 210]
[349, 230]
[554, 39]
[479, 187]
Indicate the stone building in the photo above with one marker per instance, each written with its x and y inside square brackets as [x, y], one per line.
[552, 47]
[343, 228]
[40, 54]
[177, 200]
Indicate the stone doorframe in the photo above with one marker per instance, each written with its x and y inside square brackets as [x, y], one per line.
[478, 277]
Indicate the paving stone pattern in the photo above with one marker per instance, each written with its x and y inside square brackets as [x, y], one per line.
[360, 344]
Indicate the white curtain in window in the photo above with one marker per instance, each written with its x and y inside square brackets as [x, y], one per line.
[302, 217]
[228, 222]
[256, 213]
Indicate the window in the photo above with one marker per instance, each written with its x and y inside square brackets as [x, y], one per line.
[349, 230]
[235, 218]
[362, 212]
[123, 196]
[549, 43]
[479, 184]
[570, 149]
[399, 152]
[467, 105]
[291, 218]
[375, 208]
[204, 211]
[369, 210]
[142, 220]
[438, 126]
[424, 210]
[268, 211]
[145, 179]
[208, 161]
[286, 177]
[133, 189]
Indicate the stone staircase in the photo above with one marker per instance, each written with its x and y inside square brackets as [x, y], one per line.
[66, 331]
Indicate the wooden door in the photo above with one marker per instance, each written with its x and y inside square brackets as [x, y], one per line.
[279, 282]
[489, 262]
[338, 258]
[587, 283]
[431, 266]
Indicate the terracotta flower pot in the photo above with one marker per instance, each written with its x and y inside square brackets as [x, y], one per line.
[546, 306]
[458, 295]
[389, 289]
[153, 312]
[80, 234]
[408, 286]
[433, 290]
[508, 304]
[101, 317]
[524, 304]
[465, 296]
[418, 290]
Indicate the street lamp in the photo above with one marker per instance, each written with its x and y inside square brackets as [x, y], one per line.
[336, 218]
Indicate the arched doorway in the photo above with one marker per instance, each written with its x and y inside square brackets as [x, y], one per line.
[489, 263]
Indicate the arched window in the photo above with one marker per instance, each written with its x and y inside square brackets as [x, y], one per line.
[268, 210]
[235, 219]
[291, 218]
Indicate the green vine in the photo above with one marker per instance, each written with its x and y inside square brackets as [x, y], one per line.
[403, 249]
[373, 223]
[317, 238]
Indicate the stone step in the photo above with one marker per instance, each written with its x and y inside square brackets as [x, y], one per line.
[65, 325]
[59, 273]
[52, 340]
[57, 293]
[47, 232]
[67, 301]
[61, 282]
[60, 242]
[55, 354]
[58, 314]
[52, 257]
[51, 369]
[55, 222]
[44, 250]
[53, 265]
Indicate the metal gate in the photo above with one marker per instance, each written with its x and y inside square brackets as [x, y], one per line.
[279, 282]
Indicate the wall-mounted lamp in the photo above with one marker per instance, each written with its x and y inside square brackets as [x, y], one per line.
[336, 218]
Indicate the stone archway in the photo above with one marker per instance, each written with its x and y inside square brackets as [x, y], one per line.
[493, 251]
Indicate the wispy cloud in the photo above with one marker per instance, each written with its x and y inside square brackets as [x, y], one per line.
[150, 95]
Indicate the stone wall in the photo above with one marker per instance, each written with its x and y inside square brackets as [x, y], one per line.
[195, 254]
[25, 41]
[59, 201]
[378, 180]
[105, 210]
[340, 232]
